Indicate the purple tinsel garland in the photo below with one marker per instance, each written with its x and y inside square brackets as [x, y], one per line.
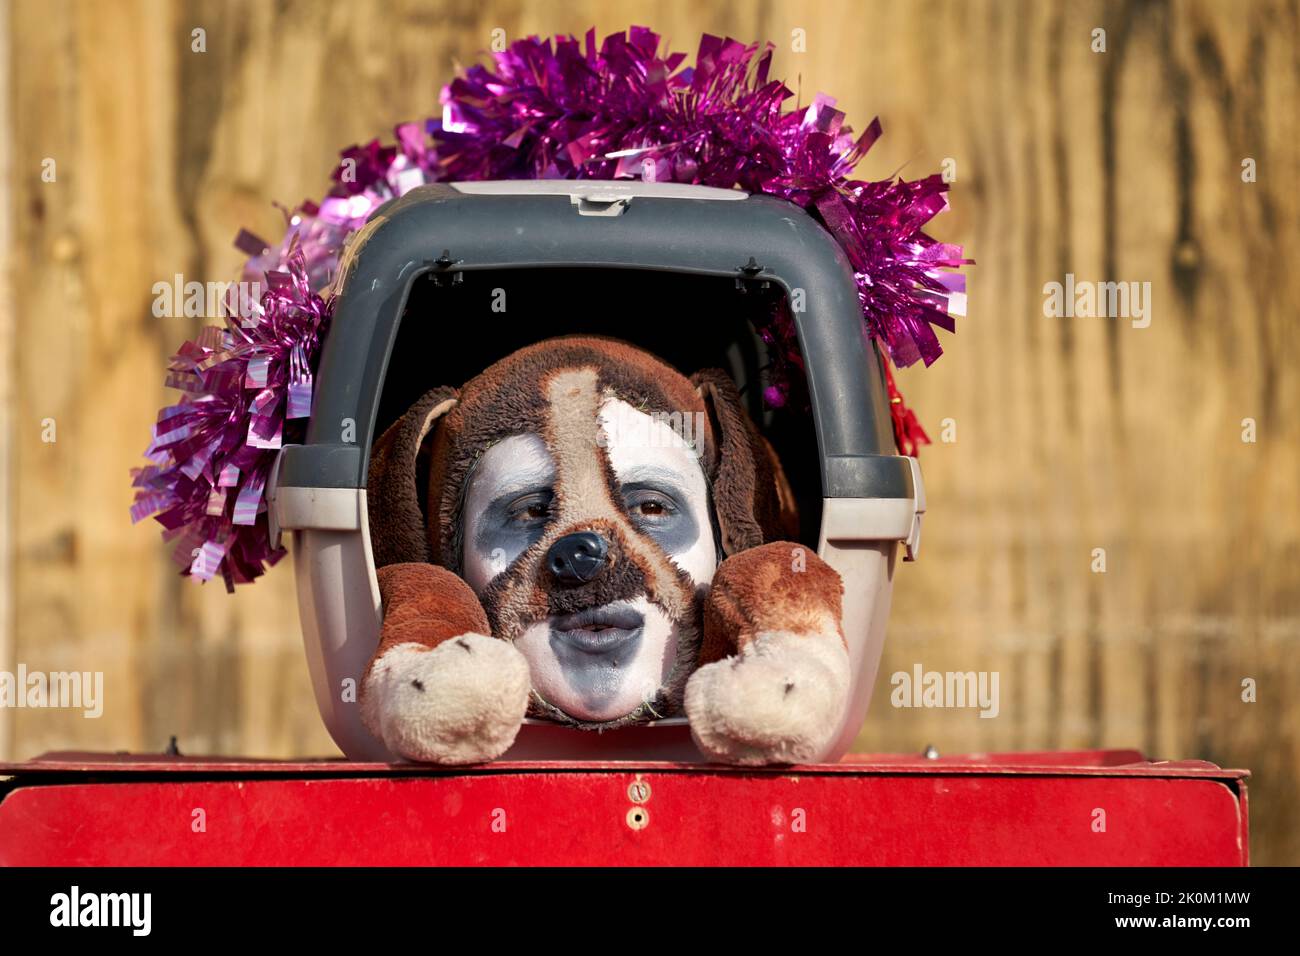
[560, 109]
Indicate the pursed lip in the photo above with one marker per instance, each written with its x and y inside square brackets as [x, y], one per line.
[598, 630]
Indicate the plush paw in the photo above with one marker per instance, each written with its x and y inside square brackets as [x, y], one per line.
[460, 702]
[780, 700]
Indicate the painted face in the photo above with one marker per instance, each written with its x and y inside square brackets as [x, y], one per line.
[590, 551]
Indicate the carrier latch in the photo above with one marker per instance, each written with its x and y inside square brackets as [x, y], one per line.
[873, 519]
[272, 493]
[299, 508]
[598, 204]
[912, 543]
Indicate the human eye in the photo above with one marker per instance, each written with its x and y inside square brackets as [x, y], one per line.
[649, 506]
[530, 510]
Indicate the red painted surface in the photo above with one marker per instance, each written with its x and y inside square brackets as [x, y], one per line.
[1003, 809]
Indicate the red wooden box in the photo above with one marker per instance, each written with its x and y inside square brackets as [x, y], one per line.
[1099, 808]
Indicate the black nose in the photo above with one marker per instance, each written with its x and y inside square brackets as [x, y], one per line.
[577, 558]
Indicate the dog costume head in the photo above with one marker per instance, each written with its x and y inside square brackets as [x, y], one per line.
[586, 492]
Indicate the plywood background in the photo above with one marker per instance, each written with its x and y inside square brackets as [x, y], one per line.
[1071, 434]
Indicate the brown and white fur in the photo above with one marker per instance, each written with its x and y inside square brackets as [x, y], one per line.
[549, 544]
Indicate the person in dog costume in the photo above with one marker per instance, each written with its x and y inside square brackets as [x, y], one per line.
[551, 542]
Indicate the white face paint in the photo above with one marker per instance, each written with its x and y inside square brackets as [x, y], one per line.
[650, 456]
[512, 475]
[600, 664]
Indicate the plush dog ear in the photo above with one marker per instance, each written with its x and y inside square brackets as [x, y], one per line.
[751, 496]
[397, 482]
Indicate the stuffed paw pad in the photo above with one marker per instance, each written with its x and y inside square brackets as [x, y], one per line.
[779, 700]
[460, 702]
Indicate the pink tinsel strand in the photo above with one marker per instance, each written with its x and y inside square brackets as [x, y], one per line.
[544, 109]
[246, 392]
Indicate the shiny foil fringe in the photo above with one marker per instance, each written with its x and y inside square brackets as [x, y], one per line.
[556, 108]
